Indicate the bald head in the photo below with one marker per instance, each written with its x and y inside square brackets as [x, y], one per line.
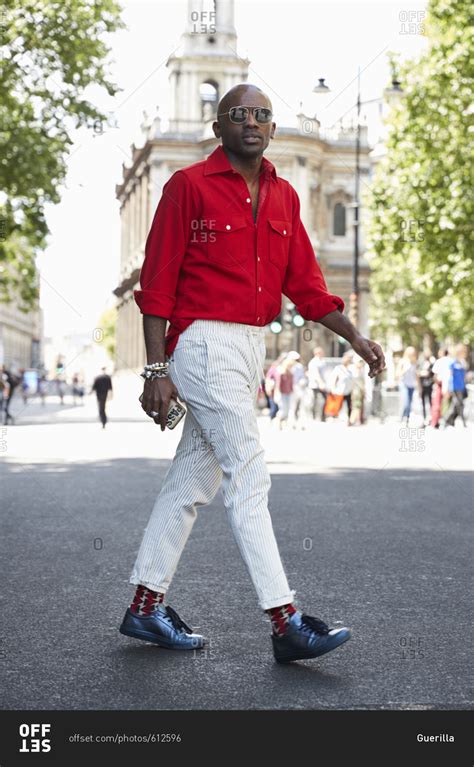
[234, 97]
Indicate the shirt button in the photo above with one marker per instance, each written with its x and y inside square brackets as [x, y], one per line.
[258, 318]
[260, 290]
[248, 199]
[284, 231]
[258, 258]
[227, 226]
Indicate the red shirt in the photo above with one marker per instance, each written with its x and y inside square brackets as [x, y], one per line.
[206, 257]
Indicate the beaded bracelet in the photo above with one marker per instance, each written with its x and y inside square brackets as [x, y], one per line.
[156, 366]
[151, 374]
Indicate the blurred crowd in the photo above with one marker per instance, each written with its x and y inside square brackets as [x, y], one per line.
[294, 394]
[31, 384]
[341, 389]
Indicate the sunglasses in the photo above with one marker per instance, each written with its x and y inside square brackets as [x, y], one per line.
[239, 115]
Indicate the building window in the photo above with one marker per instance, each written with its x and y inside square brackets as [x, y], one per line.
[209, 94]
[339, 221]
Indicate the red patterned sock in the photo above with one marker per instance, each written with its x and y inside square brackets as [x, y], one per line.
[145, 600]
[280, 617]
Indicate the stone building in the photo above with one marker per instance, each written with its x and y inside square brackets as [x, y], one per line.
[20, 337]
[320, 165]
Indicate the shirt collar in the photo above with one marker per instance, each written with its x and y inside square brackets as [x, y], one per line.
[218, 162]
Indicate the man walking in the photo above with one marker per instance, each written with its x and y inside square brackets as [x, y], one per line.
[102, 386]
[225, 242]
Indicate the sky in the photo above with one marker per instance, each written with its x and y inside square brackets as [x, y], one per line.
[290, 45]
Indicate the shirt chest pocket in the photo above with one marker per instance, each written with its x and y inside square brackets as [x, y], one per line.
[227, 240]
[279, 238]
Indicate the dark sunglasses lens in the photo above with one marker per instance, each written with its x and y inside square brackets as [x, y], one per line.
[263, 115]
[238, 114]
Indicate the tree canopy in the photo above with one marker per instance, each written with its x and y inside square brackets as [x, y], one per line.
[52, 50]
[420, 233]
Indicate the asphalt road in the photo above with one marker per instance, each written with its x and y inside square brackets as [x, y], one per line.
[376, 540]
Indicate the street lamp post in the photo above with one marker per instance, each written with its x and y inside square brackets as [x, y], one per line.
[395, 90]
[354, 300]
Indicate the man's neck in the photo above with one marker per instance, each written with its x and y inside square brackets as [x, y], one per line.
[248, 168]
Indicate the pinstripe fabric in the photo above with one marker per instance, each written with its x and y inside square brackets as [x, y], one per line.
[216, 367]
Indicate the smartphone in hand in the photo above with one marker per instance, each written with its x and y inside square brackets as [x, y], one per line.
[176, 411]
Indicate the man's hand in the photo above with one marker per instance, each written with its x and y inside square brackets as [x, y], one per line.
[156, 396]
[371, 353]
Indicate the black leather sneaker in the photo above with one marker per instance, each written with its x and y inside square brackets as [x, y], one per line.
[307, 637]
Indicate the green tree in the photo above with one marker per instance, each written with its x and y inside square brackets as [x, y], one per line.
[52, 50]
[420, 235]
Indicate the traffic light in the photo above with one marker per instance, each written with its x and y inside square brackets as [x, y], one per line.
[276, 326]
[293, 317]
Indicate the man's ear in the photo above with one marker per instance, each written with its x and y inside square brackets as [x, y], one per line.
[272, 132]
[216, 128]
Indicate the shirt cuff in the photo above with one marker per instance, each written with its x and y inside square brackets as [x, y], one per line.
[321, 306]
[154, 302]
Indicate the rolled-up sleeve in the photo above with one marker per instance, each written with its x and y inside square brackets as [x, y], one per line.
[304, 283]
[165, 248]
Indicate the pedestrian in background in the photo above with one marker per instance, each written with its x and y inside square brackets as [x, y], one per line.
[358, 393]
[4, 389]
[102, 386]
[440, 396]
[341, 383]
[317, 373]
[43, 389]
[24, 386]
[60, 388]
[300, 383]
[377, 408]
[457, 386]
[77, 389]
[284, 389]
[270, 384]
[407, 379]
[425, 381]
[13, 381]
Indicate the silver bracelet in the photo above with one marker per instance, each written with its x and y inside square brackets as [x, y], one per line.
[151, 374]
[156, 366]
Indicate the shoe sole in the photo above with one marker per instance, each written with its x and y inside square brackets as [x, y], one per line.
[307, 656]
[147, 636]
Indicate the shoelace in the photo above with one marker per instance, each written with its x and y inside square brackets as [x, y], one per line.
[177, 622]
[315, 624]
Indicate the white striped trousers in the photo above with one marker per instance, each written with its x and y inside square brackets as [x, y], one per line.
[216, 367]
